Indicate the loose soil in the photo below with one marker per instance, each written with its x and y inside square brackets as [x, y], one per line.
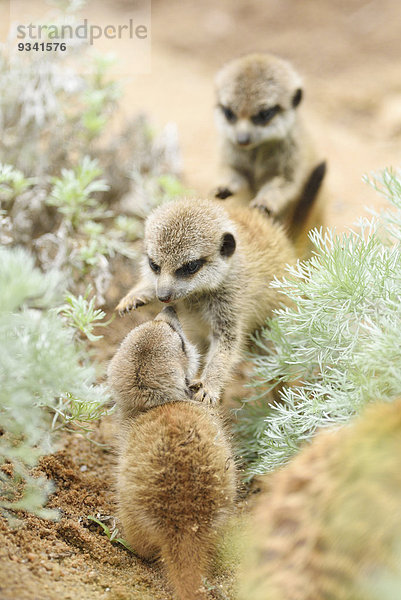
[349, 55]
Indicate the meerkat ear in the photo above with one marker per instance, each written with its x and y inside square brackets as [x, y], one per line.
[228, 244]
[297, 97]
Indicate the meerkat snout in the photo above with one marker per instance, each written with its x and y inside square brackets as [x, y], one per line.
[243, 138]
[164, 287]
[176, 479]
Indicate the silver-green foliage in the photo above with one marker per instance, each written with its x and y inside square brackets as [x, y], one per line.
[67, 173]
[46, 379]
[337, 347]
[52, 105]
[77, 241]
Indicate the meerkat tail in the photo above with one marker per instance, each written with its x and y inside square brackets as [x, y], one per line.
[307, 199]
[186, 559]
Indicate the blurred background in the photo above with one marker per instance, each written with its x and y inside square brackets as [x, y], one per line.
[348, 52]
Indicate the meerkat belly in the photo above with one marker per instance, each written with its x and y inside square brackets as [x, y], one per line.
[267, 165]
[195, 324]
[242, 161]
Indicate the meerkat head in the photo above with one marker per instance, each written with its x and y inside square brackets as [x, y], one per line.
[257, 99]
[188, 248]
[154, 365]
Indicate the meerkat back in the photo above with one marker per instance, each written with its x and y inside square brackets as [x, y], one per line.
[176, 487]
[175, 477]
[267, 252]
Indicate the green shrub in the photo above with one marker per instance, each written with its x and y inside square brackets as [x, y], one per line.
[46, 378]
[337, 348]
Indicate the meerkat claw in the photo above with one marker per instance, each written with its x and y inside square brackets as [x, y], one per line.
[201, 394]
[123, 308]
[127, 305]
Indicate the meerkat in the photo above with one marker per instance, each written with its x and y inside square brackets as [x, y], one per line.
[216, 264]
[266, 153]
[176, 478]
[329, 524]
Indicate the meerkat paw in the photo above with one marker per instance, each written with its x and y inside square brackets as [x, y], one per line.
[130, 302]
[262, 208]
[222, 192]
[201, 394]
[271, 201]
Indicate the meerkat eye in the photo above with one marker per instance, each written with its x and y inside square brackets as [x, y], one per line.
[265, 115]
[155, 268]
[190, 268]
[229, 114]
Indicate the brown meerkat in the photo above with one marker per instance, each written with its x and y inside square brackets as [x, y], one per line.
[329, 524]
[215, 263]
[176, 477]
[266, 153]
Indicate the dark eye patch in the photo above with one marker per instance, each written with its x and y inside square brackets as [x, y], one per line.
[229, 114]
[265, 115]
[190, 268]
[155, 268]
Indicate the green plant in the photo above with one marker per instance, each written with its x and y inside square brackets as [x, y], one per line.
[72, 193]
[45, 374]
[336, 347]
[81, 314]
[113, 533]
[13, 183]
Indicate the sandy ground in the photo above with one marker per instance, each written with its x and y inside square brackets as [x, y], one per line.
[349, 55]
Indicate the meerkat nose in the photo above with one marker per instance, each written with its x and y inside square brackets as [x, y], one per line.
[166, 298]
[243, 138]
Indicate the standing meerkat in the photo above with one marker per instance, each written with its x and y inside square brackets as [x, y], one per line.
[266, 152]
[176, 477]
[216, 264]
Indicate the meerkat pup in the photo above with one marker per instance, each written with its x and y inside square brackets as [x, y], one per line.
[329, 524]
[266, 153]
[176, 477]
[216, 264]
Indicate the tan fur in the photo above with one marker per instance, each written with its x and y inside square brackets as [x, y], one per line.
[329, 525]
[176, 477]
[274, 167]
[230, 296]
